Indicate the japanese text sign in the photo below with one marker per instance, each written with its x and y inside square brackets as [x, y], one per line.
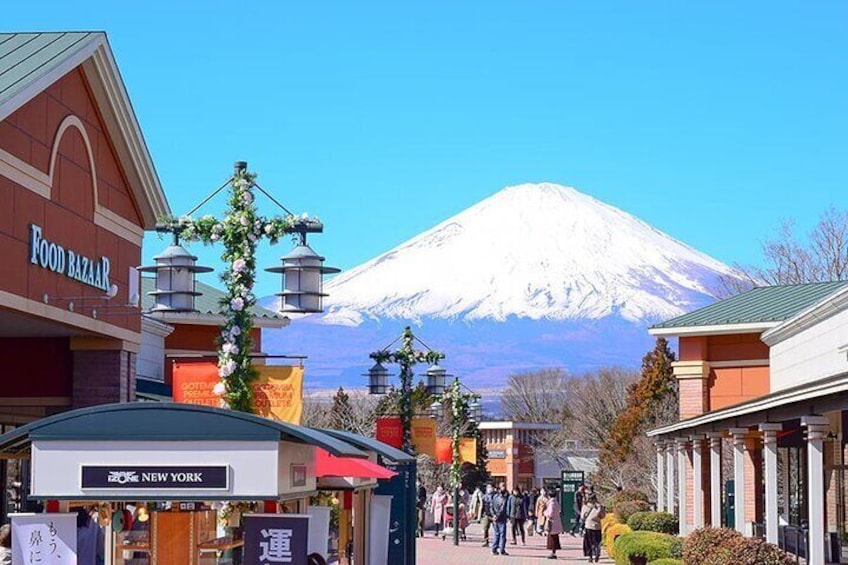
[44, 539]
[270, 539]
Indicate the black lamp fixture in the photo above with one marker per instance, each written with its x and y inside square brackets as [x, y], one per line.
[378, 378]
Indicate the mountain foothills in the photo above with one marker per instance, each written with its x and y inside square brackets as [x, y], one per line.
[537, 275]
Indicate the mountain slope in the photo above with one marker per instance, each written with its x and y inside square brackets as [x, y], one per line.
[536, 275]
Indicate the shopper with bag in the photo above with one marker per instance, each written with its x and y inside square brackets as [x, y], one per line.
[553, 525]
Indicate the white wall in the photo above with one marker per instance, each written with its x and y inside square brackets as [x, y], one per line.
[150, 363]
[811, 354]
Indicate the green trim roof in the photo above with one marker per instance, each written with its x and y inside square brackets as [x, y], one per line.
[25, 58]
[759, 305]
[208, 303]
[166, 421]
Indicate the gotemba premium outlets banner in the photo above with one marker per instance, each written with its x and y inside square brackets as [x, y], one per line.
[277, 393]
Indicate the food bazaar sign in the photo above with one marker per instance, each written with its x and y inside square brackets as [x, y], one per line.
[54, 257]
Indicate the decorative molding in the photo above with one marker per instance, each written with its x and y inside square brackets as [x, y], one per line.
[718, 329]
[197, 319]
[41, 183]
[740, 363]
[6, 401]
[691, 369]
[821, 310]
[60, 316]
[91, 343]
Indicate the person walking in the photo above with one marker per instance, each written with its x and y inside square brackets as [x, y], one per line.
[553, 525]
[532, 498]
[592, 515]
[476, 507]
[499, 519]
[541, 502]
[421, 506]
[5, 544]
[517, 512]
[486, 505]
[437, 507]
[579, 501]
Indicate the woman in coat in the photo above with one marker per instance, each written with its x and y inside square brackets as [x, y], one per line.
[553, 525]
[541, 502]
[437, 507]
[591, 516]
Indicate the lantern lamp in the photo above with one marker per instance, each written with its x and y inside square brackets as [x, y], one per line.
[176, 270]
[303, 272]
[436, 379]
[436, 409]
[378, 377]
[475, 411]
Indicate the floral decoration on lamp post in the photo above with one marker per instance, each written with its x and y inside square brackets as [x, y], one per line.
[239, 231]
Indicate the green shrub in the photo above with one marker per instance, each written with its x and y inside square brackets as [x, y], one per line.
[666, 561]
[623, 510]
[749, 551]
[677, 548]
[662, 522]
[611, 534]
[649, 545]
[701, 545]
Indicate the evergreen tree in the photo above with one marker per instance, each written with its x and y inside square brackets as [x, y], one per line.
[342, 411]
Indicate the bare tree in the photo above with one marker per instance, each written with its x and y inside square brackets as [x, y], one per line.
[820, 257]
[316, 412]
[536, 396]
[596, 399]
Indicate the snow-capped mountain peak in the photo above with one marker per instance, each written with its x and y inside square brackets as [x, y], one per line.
[537, 251]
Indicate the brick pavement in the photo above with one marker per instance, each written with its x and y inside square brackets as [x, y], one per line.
[434, 551]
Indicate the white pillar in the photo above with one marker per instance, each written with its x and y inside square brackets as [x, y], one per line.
[682, 461]
[770, 456]
[739, 478]
[670, 454]
[660, 476]
[715, 478]
[697, 482]
[817, 427]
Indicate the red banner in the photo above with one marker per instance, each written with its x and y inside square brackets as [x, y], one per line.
[389, 431]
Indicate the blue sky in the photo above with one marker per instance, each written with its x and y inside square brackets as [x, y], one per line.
[711, 121]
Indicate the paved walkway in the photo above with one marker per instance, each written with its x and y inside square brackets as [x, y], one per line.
[434, 551]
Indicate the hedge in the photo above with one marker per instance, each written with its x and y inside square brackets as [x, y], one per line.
[666, 561]
[701, 545]
[662, 522]
[649, 545]
[623, 510]
[611, 534]
[749, 551]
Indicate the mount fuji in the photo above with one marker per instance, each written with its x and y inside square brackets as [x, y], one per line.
[537, 275]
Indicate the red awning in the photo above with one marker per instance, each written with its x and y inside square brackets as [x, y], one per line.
[327, 465]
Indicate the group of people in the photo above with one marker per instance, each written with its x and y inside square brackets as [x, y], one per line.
[519, 513]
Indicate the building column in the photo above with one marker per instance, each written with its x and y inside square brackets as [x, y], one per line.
[715, 478]
[771, 478]
[817, 427]
[660, 445]
[682, 462]
[738, 435]
[697, 482]
[670, 454]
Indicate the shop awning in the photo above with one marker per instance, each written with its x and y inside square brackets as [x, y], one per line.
[370, 444]
[165, 421]
[327, 465]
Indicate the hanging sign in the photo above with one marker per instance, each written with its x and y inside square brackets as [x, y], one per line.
[114, 477]
[275, 538]
[54, 257]
[277, 393]
[44, 539]
[390, 431]
[423, 431]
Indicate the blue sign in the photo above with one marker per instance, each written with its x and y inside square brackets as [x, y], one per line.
[270, 539]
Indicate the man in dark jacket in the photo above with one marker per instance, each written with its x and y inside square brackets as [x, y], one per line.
[499, 518]
[487, 509]
[421, 506]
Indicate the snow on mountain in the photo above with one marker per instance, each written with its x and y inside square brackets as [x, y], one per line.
[537, 251]
[537, 275]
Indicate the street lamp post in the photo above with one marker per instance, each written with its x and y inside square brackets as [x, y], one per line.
[239, 231]
[407, 357]
[464, 408]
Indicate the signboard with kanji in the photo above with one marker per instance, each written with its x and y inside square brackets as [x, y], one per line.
[270, 539]
[44, 539]
[571, 481]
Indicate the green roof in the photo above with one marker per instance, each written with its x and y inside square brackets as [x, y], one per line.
[207, 303]
[759, 305]
[166, 421]
[26, 58]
